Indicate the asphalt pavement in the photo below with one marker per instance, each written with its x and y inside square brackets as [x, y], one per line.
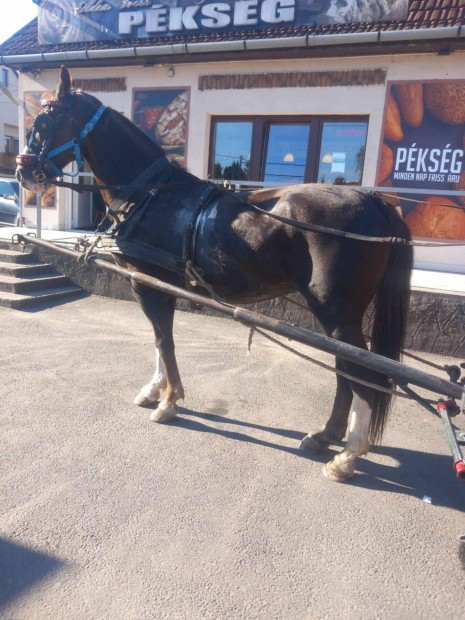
[216, 515]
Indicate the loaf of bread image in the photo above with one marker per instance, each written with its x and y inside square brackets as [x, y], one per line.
[392, 123]
[460, 187]
[446, 101]
[171, 127]
[435, 218]
[410, 101]
[149, 118]
[386, 164]
[47, 199]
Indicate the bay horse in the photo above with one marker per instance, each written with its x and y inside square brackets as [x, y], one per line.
[243, 253]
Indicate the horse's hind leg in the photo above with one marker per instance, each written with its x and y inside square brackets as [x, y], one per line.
[336, 426]
[159, 309]
[342, 467]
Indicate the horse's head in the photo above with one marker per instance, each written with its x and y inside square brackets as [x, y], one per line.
[56, 135]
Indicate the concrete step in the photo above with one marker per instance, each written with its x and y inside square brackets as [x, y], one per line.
[13, 284]
[13, 256]
[19, 270]
[40, 297]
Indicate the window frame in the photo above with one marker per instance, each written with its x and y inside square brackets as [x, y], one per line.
[260, 135]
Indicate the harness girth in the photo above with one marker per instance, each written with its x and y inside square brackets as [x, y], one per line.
[132, 206]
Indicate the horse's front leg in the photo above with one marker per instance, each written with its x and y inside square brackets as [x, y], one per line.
[152, 391]
[174, 390]
[342, 467]
[159, 309]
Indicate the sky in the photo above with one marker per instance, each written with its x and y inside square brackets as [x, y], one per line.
[14, 14]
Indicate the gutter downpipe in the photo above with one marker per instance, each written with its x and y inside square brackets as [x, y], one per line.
[307, 41]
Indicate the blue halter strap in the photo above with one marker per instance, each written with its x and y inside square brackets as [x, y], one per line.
[75, 145]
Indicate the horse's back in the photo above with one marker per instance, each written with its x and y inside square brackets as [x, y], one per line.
[345, 208]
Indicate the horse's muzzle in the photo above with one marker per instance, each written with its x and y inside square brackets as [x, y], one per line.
[28, 171]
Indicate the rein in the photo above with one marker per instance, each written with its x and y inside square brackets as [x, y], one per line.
[288, 221]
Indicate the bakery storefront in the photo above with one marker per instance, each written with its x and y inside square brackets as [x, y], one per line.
[270, 92]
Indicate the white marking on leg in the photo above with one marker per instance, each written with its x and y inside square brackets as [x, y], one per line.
[150, 393]
[342, 467]
[359, 427]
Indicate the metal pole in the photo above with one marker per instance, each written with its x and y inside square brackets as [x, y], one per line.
[39, 215]
[399, 372]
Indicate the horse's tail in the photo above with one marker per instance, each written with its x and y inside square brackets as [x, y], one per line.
[390, 320]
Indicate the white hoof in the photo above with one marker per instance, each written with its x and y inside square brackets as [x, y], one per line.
[147, 397]
[164, 413]
[341, 468]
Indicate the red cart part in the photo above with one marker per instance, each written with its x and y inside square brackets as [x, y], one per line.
[459, 463]
[459, 467]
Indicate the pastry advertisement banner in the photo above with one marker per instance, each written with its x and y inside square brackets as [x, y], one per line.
[423, 147]
[162, 115]
[69, 21]
[32, 109]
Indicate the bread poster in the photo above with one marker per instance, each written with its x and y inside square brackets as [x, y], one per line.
[32, 100]
[423, 147]
[162, 115]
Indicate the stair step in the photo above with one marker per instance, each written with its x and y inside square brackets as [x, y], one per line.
[13, 256]
[19, 270]
[34, 298]
[13, 284]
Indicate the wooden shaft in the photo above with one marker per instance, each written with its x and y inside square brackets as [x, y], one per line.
[400, 373]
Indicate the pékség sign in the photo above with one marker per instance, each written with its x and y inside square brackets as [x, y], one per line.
[217, 15]
[66, 21]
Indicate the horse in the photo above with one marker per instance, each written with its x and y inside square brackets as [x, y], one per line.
[241, 249]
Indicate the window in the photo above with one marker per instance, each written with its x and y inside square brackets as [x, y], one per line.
[11, 145]
[286, 153]
[233, 142]
[342, 153]
[288, 150]
[5, 77]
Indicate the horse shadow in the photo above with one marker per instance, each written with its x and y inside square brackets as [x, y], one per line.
[419, 474]
[21, 568]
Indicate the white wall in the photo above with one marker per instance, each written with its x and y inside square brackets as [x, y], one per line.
[8, 110]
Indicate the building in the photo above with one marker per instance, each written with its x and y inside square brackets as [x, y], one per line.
[272, 91]
[9, 135]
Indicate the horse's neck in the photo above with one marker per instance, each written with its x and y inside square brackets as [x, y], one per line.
[118, 153]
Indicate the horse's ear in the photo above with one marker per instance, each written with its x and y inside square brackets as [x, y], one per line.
[64, 85]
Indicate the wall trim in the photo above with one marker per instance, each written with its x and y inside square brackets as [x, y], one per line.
[293, 79]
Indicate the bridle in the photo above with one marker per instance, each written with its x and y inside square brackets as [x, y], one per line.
[41, 135]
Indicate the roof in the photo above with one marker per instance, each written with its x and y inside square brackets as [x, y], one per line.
[423, 14]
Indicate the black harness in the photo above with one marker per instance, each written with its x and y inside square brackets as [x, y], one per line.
[133, 208]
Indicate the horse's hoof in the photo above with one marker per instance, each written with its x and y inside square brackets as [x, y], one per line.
[339, 472]
[144, 400]
[312, 444]
[164, 413]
